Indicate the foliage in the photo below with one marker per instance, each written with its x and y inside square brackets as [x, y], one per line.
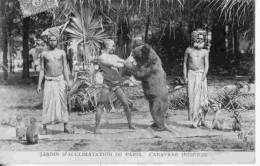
[229, 97]
[178, 99]
[112, 10]
[83, 97]
[238, 13]
[247, 101]
[234, 9]
[84, 27]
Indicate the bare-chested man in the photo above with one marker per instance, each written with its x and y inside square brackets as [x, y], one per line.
[54, 69]
[109, 63]
[195, 69]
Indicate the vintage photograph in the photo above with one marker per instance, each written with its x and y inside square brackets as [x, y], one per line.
[127, 81]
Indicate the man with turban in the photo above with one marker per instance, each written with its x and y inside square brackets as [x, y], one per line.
[53, 68]
[195, 69]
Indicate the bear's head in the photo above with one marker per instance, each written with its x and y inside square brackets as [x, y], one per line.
[143, 55]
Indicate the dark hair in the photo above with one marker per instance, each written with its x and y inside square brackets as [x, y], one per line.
[102, 45]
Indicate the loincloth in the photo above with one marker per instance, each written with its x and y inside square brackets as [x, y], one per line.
[197, 92]
[55, 108]
[112, 77]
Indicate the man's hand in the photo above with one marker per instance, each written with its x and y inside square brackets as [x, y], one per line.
[69, 85]
[68, 88]
[39, 89]
[203, 77]
[128, 64]
[94, 60]
[185, 80]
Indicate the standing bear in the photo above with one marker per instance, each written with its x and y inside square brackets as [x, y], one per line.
[145, 65]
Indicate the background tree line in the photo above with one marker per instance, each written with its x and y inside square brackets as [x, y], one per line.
[165, 24]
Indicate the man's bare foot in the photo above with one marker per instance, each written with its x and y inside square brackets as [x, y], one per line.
[44, 131]
[154, 125]
[194, 126]
[203, 124]
[158, 129]
[82, 113]
[97, 131]
[131, 126]
[134, 109]
[68, 131]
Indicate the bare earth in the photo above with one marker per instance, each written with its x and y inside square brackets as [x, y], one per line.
[16, 98]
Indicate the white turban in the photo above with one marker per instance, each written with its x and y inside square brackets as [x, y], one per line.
[109, 43]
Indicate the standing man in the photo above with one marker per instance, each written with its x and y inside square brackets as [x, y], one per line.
[36, 52]
[195, 69]
[54, 69]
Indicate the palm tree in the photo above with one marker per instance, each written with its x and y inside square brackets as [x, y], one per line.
[236, 11]
[118, 14]
[238, 16]
[84, 28]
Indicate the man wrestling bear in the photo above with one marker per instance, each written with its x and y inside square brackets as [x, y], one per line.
[145, 65]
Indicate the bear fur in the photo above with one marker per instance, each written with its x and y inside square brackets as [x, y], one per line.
[148, 69]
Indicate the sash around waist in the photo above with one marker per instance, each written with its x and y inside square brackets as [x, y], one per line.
[196, 71]
[58, 78]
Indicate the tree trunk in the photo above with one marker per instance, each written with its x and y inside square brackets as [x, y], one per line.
[10, 50]
[25, 54]
[236, 44]
[5, 49]
[147, 28]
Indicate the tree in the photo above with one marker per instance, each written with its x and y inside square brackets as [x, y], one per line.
[25, 54]
[11, 21]
[173, 20]
[238, 17]
[4, 15]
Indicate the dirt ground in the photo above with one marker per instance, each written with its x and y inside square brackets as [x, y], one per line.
[20, 97]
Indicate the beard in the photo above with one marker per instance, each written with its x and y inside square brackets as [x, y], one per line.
[199, 45]
[112, 51]
[52, 47]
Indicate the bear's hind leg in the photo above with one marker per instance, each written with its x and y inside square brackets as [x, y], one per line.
[157, 110]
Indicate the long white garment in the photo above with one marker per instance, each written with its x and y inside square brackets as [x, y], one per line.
[55, 108]
[197, 93]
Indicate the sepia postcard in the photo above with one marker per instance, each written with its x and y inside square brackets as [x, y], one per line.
[127, 82]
